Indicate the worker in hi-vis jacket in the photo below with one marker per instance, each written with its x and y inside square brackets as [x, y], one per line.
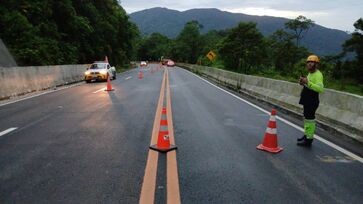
[312, 86]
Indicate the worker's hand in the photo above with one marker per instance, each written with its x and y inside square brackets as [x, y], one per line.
[300, 81]
[303, 80]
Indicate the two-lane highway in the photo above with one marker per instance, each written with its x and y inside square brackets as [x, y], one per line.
[85, 145]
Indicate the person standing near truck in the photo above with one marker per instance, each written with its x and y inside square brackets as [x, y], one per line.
[309, 98]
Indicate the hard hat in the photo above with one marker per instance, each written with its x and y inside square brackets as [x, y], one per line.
[313, 58]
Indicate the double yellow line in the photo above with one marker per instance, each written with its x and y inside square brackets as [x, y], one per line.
[172, 181]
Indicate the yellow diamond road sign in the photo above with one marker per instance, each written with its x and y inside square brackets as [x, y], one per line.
[211, 55]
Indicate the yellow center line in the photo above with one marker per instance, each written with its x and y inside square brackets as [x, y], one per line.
[147, 194]
[148, 186]
[172, 180]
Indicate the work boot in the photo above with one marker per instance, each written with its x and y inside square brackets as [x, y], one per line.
[305, 142]
[301, 138]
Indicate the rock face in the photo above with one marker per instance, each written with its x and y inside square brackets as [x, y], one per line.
[6, 59]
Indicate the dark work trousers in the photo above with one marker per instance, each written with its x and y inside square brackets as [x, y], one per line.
[309, 111]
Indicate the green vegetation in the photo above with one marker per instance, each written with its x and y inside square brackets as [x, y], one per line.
[154, 47]
[354, 69]
[244, 49]
[300, 26]
[188, 45]
[319, 40]
[45, 32]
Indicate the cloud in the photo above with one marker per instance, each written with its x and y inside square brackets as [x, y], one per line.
[339, 14]
[259, 11]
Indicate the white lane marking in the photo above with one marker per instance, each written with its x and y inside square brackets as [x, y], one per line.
[7, 131]
[99, 90]
[126, 71]
[127, 78]
[47, 92]
[332, 145]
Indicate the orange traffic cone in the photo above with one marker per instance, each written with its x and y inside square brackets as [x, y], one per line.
[140, 74]
[109, 86]
[270, 140]
[163, 144]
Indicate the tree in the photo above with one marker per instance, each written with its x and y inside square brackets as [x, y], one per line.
[300, 27]
[282, 36]
[243, 48]
[283, 53]
[188, 44]
[355, 44]
[153, 47]
[210, 42]
[45, 32]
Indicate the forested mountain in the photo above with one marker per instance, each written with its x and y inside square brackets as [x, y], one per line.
[44, 32]
[319, 39]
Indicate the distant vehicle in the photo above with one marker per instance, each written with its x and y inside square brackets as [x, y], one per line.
[143, 63]
[170, 63]
[165, 61]
[99, 71]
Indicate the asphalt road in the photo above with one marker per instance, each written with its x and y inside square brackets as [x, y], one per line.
[77, 146]
[218, 162]
[85, 145]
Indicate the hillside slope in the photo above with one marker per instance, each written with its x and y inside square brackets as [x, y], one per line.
[321, 40]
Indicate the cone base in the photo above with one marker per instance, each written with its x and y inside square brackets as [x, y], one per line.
[109, 89]
[269, 149]
[156, 148]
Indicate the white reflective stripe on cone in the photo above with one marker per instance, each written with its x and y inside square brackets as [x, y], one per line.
[271, 131]
[273, 118]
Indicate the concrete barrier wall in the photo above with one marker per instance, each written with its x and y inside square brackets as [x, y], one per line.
[21, 80]
[339, 110]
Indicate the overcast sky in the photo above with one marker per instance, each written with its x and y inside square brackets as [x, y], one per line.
[336, 14]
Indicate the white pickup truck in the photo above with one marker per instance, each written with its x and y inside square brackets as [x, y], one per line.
[99, 71]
